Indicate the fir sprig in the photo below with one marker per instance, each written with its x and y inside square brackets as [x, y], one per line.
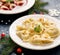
[9, 45]
[38, 6]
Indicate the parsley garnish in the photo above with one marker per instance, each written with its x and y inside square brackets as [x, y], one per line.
[37, 28]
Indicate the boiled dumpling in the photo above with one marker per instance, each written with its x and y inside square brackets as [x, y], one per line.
[53, 32]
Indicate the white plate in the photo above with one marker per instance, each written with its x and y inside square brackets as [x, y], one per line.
[27, 5]
[17, 40]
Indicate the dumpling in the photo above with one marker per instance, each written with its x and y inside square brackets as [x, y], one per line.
[53, 32]
[24, 35]
[37, 40]
[19, 28]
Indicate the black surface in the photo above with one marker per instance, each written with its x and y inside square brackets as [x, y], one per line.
[12, 17]
[54, 51]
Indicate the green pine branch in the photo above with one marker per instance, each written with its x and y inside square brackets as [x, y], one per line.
[9, 45]
[38, 6]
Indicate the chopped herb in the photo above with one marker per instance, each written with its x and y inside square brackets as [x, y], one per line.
[37, 28]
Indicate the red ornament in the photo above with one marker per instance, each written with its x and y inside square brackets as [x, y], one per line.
[3, 35]
[19, 50]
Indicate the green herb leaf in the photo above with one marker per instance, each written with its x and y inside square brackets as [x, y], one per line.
[37, 28]
[9, 0]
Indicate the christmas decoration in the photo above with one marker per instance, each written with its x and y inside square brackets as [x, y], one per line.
[53, 12]
[8, 45]
[2, 35]
[19, 50]
[38, 7]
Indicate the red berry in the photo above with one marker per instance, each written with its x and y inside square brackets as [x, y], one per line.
[3, 35]
[19, 50]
